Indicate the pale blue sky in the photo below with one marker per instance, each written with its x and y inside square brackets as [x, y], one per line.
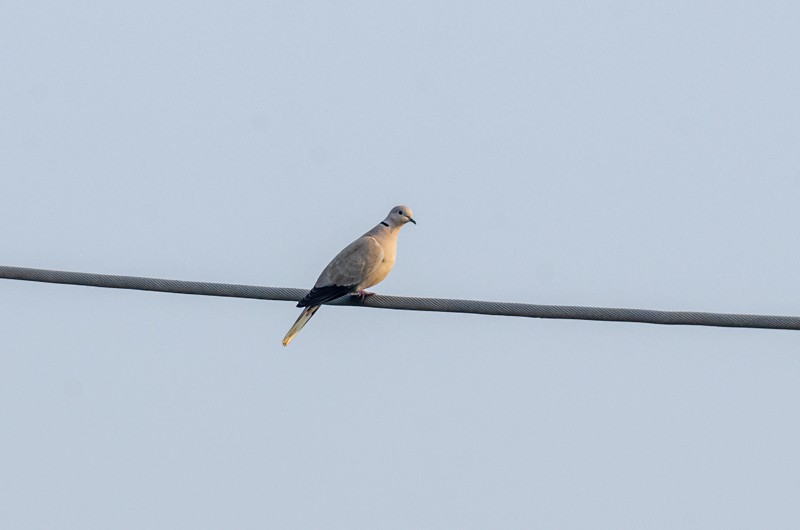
[635, 154]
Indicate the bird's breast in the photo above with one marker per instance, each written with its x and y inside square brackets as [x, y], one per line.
[384, 268]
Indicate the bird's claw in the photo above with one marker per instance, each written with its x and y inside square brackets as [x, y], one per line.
[362, 295]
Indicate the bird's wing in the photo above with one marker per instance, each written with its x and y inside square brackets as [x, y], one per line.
[346, 271]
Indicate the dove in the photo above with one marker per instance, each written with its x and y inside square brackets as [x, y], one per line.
[361, 264]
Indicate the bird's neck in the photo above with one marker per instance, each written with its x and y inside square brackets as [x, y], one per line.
[384, 227]
[386, 224]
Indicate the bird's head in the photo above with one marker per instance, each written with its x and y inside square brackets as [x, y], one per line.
[399, 216]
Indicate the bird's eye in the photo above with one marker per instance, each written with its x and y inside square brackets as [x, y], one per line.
[400, 212]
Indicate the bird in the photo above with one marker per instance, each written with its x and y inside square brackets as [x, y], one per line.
[361, 264]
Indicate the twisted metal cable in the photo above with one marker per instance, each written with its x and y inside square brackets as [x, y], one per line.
[687, 318]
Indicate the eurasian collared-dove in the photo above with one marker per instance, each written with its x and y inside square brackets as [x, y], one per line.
[363, 263]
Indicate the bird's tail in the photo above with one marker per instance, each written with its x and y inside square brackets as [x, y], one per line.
[304, 317]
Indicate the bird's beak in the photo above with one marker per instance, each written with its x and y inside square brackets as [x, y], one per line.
[412, 220]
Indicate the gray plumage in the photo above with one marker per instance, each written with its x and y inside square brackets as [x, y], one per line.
[361, 264]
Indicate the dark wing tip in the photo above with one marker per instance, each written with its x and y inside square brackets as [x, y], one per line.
[320, 295]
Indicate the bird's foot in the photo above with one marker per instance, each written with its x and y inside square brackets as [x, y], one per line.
[362, 294]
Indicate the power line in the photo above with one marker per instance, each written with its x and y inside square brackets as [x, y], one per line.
[687, 318]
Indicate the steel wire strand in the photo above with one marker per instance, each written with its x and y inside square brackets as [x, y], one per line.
[649, 316]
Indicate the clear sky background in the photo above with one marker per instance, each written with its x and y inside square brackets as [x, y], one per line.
[630, 154]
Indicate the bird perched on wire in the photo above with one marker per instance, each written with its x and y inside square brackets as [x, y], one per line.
[363, 263]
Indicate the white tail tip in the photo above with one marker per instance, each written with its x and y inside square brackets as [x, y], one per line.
[304, 317]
